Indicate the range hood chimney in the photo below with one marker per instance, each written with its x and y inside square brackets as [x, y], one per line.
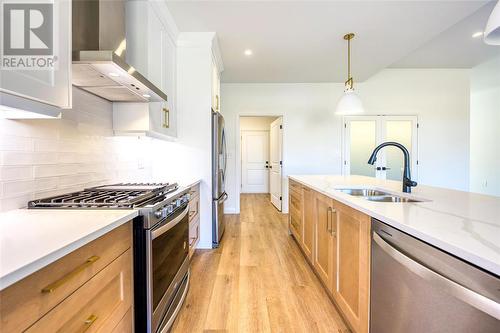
[99, 46]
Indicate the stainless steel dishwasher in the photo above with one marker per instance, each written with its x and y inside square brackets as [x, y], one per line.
[417, 288]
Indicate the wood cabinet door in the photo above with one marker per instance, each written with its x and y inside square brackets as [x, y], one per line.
[308, 223]
[324, 252]
[351, 291]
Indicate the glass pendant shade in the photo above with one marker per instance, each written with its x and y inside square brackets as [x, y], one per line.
[349, 103]
[492, 31]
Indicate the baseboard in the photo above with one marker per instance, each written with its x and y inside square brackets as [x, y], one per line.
[230, 210]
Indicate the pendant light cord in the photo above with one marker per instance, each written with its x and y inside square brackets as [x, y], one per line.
[350, 82]
[349, 61]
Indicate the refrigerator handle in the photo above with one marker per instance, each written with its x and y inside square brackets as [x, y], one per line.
[224, 152]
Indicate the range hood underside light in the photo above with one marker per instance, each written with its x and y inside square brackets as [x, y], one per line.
[107, 79]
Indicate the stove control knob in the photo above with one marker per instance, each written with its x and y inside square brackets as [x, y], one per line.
[158, 214]
[169, 209]
[178, 202]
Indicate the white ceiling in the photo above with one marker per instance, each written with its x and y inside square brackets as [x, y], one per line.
[455, 47]
[301, 41]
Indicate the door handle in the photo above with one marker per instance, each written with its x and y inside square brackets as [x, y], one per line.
[468, 296]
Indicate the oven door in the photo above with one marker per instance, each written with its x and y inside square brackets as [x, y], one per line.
[169, 261]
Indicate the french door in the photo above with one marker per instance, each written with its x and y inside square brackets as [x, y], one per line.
[361, 134]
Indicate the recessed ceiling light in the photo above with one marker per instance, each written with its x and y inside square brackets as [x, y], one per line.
[248, 52]
[477, 34]
[146, 95]
[114, 74]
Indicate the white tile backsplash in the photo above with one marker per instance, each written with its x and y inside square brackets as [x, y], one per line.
[15, 173]
[40, 158]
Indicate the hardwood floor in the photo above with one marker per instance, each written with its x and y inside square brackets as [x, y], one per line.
[257, 281]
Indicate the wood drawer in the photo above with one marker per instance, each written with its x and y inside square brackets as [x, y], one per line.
[295, 202]
[295, 187]
[28, 300]
[98, 306]
[194, 207]
[125, 325]
[296, 223]
[195, 190]
[194, 235]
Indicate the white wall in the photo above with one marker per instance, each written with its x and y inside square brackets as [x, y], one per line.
[256, 123]
[485, 128]
[40, 158]
[312, 133]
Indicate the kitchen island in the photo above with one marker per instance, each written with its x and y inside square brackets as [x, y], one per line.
[464, 224]
[331, 217]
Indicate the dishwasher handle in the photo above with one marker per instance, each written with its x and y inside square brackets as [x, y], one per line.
[466, 295]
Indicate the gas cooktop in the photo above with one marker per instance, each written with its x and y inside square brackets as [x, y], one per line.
[115, 196]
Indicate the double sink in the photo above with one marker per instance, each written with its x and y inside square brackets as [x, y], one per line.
[376, 195]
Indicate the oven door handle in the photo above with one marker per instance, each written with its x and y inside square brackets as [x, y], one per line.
[166, 227]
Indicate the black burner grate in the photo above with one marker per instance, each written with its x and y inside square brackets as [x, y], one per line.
[110, 196]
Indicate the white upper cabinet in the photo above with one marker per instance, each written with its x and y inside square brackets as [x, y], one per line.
[215, 86]
[35, 74]
[151, 49]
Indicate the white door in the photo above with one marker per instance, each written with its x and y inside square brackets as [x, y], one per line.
[254, 161]
[275, 166]
[363, 133]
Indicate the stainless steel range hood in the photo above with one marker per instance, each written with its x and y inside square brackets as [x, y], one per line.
[99, 47]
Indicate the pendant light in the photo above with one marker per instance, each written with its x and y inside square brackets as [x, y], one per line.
[349, 103]
[492, 31]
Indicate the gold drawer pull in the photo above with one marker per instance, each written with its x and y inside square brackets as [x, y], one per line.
[89, 321]
[53, 286]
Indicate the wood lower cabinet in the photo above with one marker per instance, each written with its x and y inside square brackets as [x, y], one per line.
[324, 250]
[125, 325]
[88, 289]
[194, 218]
[335, 239]
[308, 223]
[295, 208]
[351, 292]
[98, 306]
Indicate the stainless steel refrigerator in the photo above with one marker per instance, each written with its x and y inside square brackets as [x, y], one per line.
[219, 166]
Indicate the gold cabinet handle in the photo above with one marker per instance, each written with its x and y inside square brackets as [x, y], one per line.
[328, 220]
[217, 102]
[332, 211]
[89, 321]
[53, 286]
[166, 115]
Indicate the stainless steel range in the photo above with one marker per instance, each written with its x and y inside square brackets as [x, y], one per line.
[161, 235]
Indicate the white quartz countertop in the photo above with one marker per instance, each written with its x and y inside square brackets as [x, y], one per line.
[464, 224]
[30, 239]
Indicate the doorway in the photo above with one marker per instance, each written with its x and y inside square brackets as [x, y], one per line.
[261, 156]
[361, 134]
